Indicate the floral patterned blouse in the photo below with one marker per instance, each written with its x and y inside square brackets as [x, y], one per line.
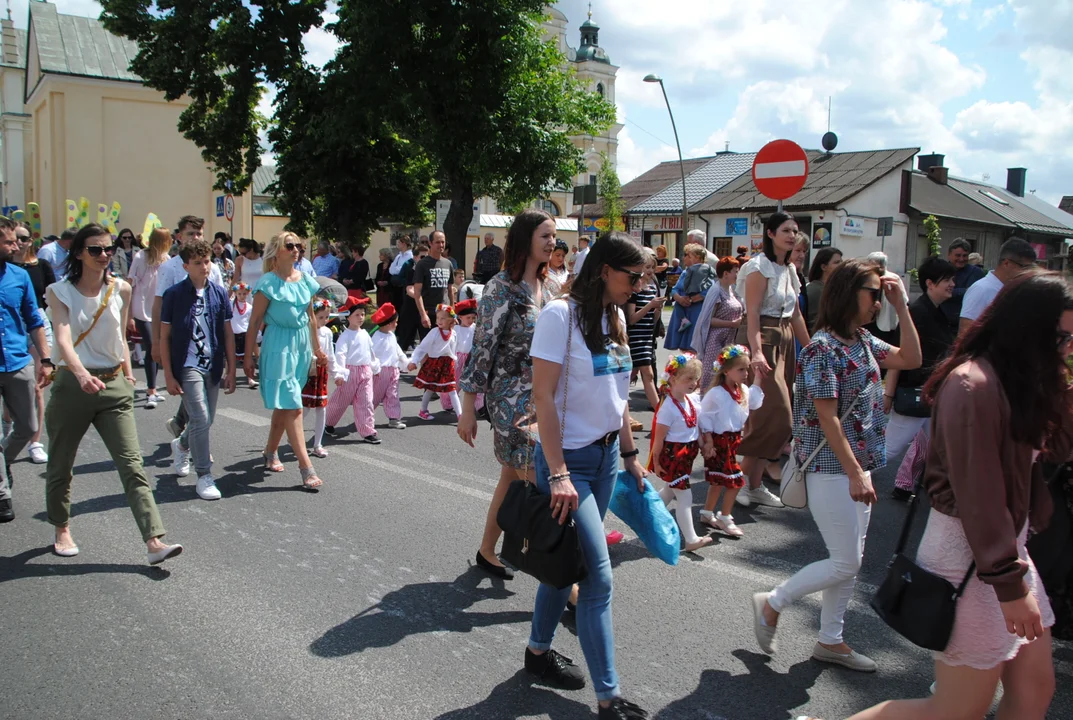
[499, 364]
[827, 369]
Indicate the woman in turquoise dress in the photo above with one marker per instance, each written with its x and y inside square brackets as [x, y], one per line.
[282, 303]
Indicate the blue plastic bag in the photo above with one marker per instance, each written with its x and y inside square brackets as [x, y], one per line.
[648, 516]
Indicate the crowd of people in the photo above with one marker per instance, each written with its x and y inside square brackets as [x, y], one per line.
[835, 368]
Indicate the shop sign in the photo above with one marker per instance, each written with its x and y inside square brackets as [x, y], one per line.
[667, 223]
[1041, 251]
[821, 235]
[854, 227]
[737, 226]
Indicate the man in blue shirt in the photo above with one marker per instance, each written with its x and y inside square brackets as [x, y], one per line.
[965, 276]
[55, 253]
[304, 265]
[20, 323]
[324, 263]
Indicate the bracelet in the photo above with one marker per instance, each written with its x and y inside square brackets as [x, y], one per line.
[629, 454]
[888, 396]
[560, 477]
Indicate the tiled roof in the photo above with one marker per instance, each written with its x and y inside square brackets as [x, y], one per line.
[1056, 215]
[262, 178]
[1009, 206]
[700, 183]
[71, 45]
[931, 198]
[832, 179]
[1066, 204]
[648, 184]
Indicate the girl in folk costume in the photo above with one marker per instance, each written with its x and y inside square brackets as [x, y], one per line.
[355, 366]
[241, 309]
[675, 442]
[726, 406]
[315, 392]
[393, 361]
[466, 311]
[437, 355]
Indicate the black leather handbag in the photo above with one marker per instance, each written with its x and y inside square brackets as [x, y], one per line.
[917, 604]
[533, 540]
[909, 401]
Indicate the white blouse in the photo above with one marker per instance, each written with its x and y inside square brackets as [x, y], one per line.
[434, 346]
[464, 344]
[103, 348]
[783, 286]
[720, 413]
[674, 420]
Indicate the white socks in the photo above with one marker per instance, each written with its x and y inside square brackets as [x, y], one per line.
[426, 399]
[456, 404]
[320, 419]
[683, 511]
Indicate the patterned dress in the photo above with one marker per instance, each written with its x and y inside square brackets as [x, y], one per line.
[728, 307]
[499, 364]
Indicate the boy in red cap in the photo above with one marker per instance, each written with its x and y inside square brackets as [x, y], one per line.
[393, 361]
[355, 366]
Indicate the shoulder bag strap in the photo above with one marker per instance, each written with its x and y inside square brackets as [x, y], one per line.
[823, 443]
[97, 316]
[903, 539]
[566, 369]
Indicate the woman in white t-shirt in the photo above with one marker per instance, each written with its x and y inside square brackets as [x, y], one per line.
[142, 279]
[581, 383]
[769, 286]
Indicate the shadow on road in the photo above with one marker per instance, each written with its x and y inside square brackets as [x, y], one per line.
[518, 697]
[17, 567]
[418, 608]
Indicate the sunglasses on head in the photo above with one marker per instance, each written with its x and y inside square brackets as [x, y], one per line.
[96, 250]
[294, 246]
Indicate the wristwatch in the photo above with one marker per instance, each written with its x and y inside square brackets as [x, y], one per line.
[47, 361]
[629, 454]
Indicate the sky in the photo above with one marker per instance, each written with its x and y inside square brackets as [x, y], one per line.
[988, 83]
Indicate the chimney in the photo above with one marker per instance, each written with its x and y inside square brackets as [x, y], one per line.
[926, 162]
[1015, 181]
[938, 174]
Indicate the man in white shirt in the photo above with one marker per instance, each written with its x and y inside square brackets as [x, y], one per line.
[582, 253]
[1015, 257]
[171, 273]
[55, 254]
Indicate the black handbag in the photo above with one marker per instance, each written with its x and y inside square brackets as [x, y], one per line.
[917, 604]
[533, 540]
[909, 401]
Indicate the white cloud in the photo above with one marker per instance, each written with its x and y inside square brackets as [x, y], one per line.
[320, 44]
[85, 8]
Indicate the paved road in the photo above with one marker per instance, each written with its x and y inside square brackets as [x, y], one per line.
[362, 602]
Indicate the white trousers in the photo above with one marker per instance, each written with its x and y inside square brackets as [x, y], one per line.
[901, 429]
[843, 523]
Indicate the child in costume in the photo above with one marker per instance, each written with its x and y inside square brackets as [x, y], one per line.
[355, 366]
[315, 392]
[675, 443]
[466, 310]
[241, 309]
[723, 412]
[437, 355]
[393, 361]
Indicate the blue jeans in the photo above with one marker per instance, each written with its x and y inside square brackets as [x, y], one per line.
[199, 398]
[593, 470]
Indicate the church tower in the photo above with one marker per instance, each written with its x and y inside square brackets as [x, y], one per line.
[594, 67]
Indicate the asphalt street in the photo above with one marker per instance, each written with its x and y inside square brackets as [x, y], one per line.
[362, 601]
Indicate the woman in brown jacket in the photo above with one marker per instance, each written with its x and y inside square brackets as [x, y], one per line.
[1002, 398]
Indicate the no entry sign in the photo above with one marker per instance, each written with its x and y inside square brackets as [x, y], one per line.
[780, 169]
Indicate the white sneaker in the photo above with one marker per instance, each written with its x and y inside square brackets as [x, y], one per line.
[152, 401]
[180, 459]
[763, 496]
[396, 424]
[206, 488]
[38, 456]
[743, 498]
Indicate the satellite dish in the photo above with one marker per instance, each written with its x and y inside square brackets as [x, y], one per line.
[829, 141]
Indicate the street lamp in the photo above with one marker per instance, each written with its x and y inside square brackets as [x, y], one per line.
[681, 164]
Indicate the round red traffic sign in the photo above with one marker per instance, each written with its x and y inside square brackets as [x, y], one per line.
[780, 169]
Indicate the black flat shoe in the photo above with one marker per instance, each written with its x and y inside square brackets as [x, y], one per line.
[622, 709]
[7, 514]
[555, 669]
[504, 573]
[901, 494]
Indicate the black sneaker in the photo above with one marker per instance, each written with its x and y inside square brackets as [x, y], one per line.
[555, 669]
[330, 430]
[901, 494]
[622, 709]
[373, 439]
[7, 514]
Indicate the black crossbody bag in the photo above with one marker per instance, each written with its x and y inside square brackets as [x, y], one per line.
[917, 604]
[533, 540]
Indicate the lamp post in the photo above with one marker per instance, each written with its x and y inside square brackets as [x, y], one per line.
[681, 164]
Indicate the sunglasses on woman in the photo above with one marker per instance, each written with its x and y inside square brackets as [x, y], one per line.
[23, 238]
[635, 277]
[96, 250]
[293, 246]
[876, 293]
[1063, 338]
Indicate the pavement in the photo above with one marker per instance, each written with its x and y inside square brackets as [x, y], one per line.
[362, 601]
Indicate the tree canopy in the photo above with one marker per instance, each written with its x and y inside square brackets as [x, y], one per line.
[424, 97]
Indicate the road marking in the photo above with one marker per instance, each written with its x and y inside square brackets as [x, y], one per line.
[788, 168]
[395, 468]
[243, 416]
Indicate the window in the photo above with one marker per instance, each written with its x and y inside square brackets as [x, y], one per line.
[549, 207]
[723, 247]
[592, 179]
[600, 89]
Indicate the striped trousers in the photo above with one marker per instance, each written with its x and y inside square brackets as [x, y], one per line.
[358, 393]
[386, 392]
[445, 399]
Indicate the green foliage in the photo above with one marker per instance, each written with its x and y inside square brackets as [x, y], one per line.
[934, 234]
[611, 192]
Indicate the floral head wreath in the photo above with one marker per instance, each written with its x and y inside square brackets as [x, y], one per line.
[447, 309]
[731, 352]
[237, 287]
[676, 363]
[322, 304]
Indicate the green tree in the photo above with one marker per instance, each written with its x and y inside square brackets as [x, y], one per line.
[611, 192]
[474, 84]
[934, 234]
